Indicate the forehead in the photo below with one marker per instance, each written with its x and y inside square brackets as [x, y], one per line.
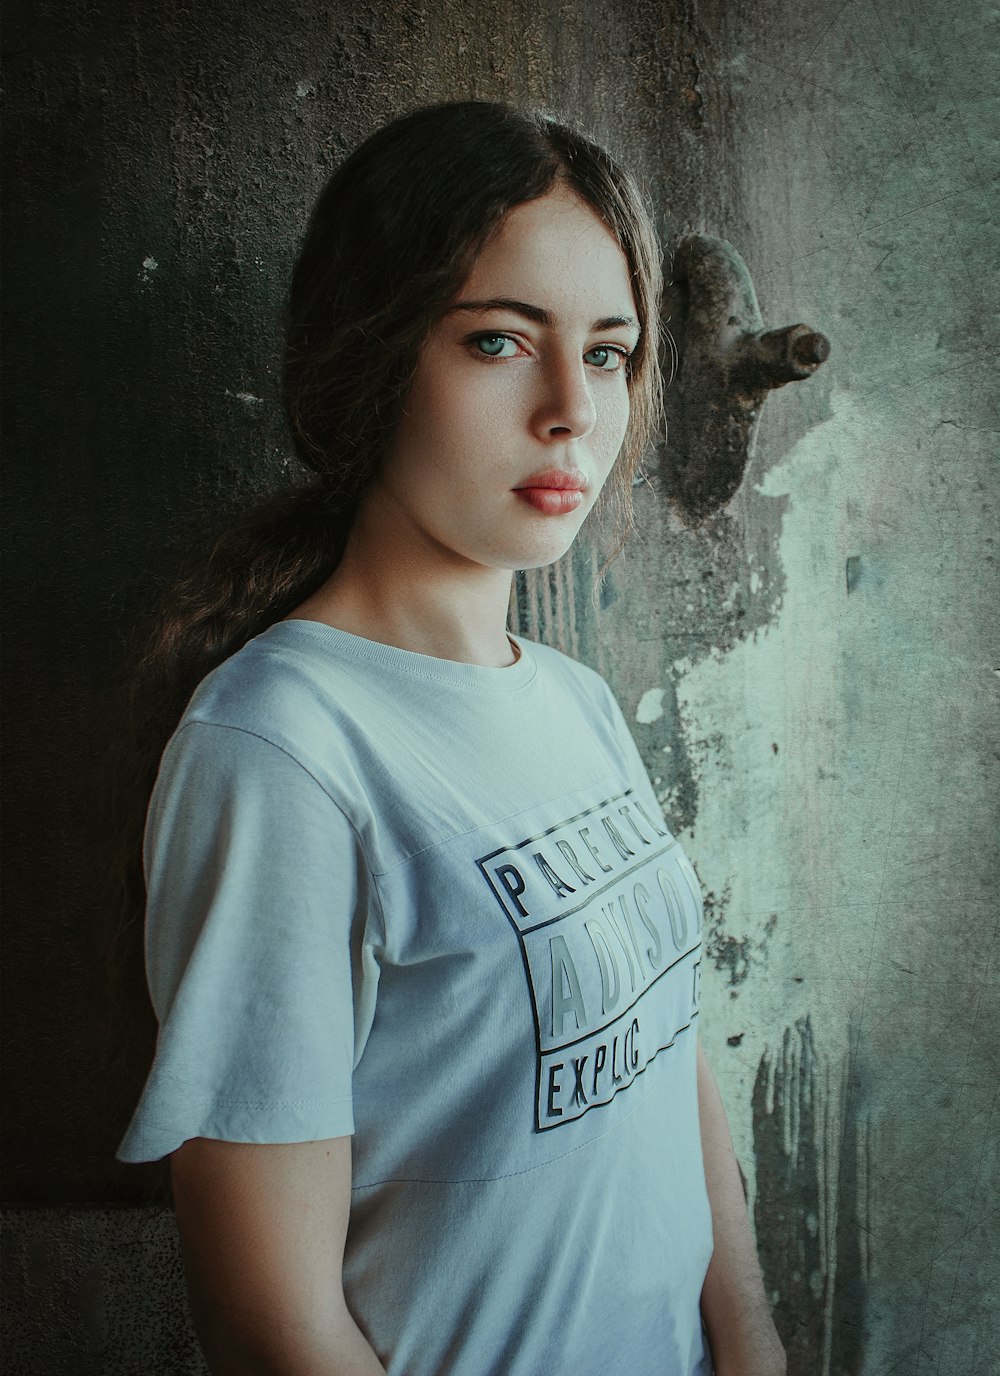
[555, 252]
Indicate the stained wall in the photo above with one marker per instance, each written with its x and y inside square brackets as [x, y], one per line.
[810, 675]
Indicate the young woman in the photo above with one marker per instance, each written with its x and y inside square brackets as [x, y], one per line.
[423, 952]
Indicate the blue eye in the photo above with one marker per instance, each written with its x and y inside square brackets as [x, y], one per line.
[492, 345]
[603, 355]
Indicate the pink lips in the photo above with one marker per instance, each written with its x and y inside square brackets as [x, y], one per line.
[554, 492]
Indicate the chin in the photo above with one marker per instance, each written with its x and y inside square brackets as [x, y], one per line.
[541, 559]
[529, 549]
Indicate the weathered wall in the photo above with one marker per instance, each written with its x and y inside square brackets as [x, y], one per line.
[809, 675]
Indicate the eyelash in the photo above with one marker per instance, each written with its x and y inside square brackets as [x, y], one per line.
[623, 354]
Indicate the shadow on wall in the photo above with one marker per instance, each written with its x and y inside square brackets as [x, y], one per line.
[96, 1292]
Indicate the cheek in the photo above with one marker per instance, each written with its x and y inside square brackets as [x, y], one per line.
[613, 418]
[447, 412]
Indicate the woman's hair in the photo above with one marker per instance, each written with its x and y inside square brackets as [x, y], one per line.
[390, 241]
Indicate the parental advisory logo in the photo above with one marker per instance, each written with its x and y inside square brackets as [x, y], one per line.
[608, 913]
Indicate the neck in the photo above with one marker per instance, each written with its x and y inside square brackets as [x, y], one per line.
[421, 598]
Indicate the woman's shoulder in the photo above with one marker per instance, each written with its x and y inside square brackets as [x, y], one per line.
[276, 687]
[268, 718]
[558, 665]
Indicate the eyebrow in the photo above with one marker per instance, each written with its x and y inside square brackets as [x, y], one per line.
[538, 314]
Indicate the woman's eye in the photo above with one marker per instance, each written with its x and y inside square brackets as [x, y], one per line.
[492, 345]
[607, 359]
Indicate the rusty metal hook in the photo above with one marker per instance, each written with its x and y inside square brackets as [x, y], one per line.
[727, 364]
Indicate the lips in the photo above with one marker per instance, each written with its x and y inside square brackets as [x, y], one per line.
[556, 492]
[554, 480]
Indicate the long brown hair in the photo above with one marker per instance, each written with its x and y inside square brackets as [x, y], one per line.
[391, 238]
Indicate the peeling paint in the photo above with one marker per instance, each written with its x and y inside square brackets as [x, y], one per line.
[650, 706]
[733, 956]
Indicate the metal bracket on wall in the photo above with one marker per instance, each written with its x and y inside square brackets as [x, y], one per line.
[726, 363]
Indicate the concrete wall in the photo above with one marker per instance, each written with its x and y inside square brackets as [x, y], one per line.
[810, 675]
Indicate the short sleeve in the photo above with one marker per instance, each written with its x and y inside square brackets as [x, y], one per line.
[254, 942]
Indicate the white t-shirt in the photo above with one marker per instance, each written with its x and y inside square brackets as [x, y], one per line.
[436, 905]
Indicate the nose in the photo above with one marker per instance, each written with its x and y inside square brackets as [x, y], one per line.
[565, 408]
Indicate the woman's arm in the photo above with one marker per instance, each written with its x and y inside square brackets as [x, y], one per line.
[734, 1306]
[262, 1232]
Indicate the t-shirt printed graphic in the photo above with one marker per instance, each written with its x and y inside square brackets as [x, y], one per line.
[607, 910]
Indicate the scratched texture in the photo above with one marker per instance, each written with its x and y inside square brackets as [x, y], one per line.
[811, 675]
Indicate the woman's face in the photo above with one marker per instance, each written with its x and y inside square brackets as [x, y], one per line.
[519, 404]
